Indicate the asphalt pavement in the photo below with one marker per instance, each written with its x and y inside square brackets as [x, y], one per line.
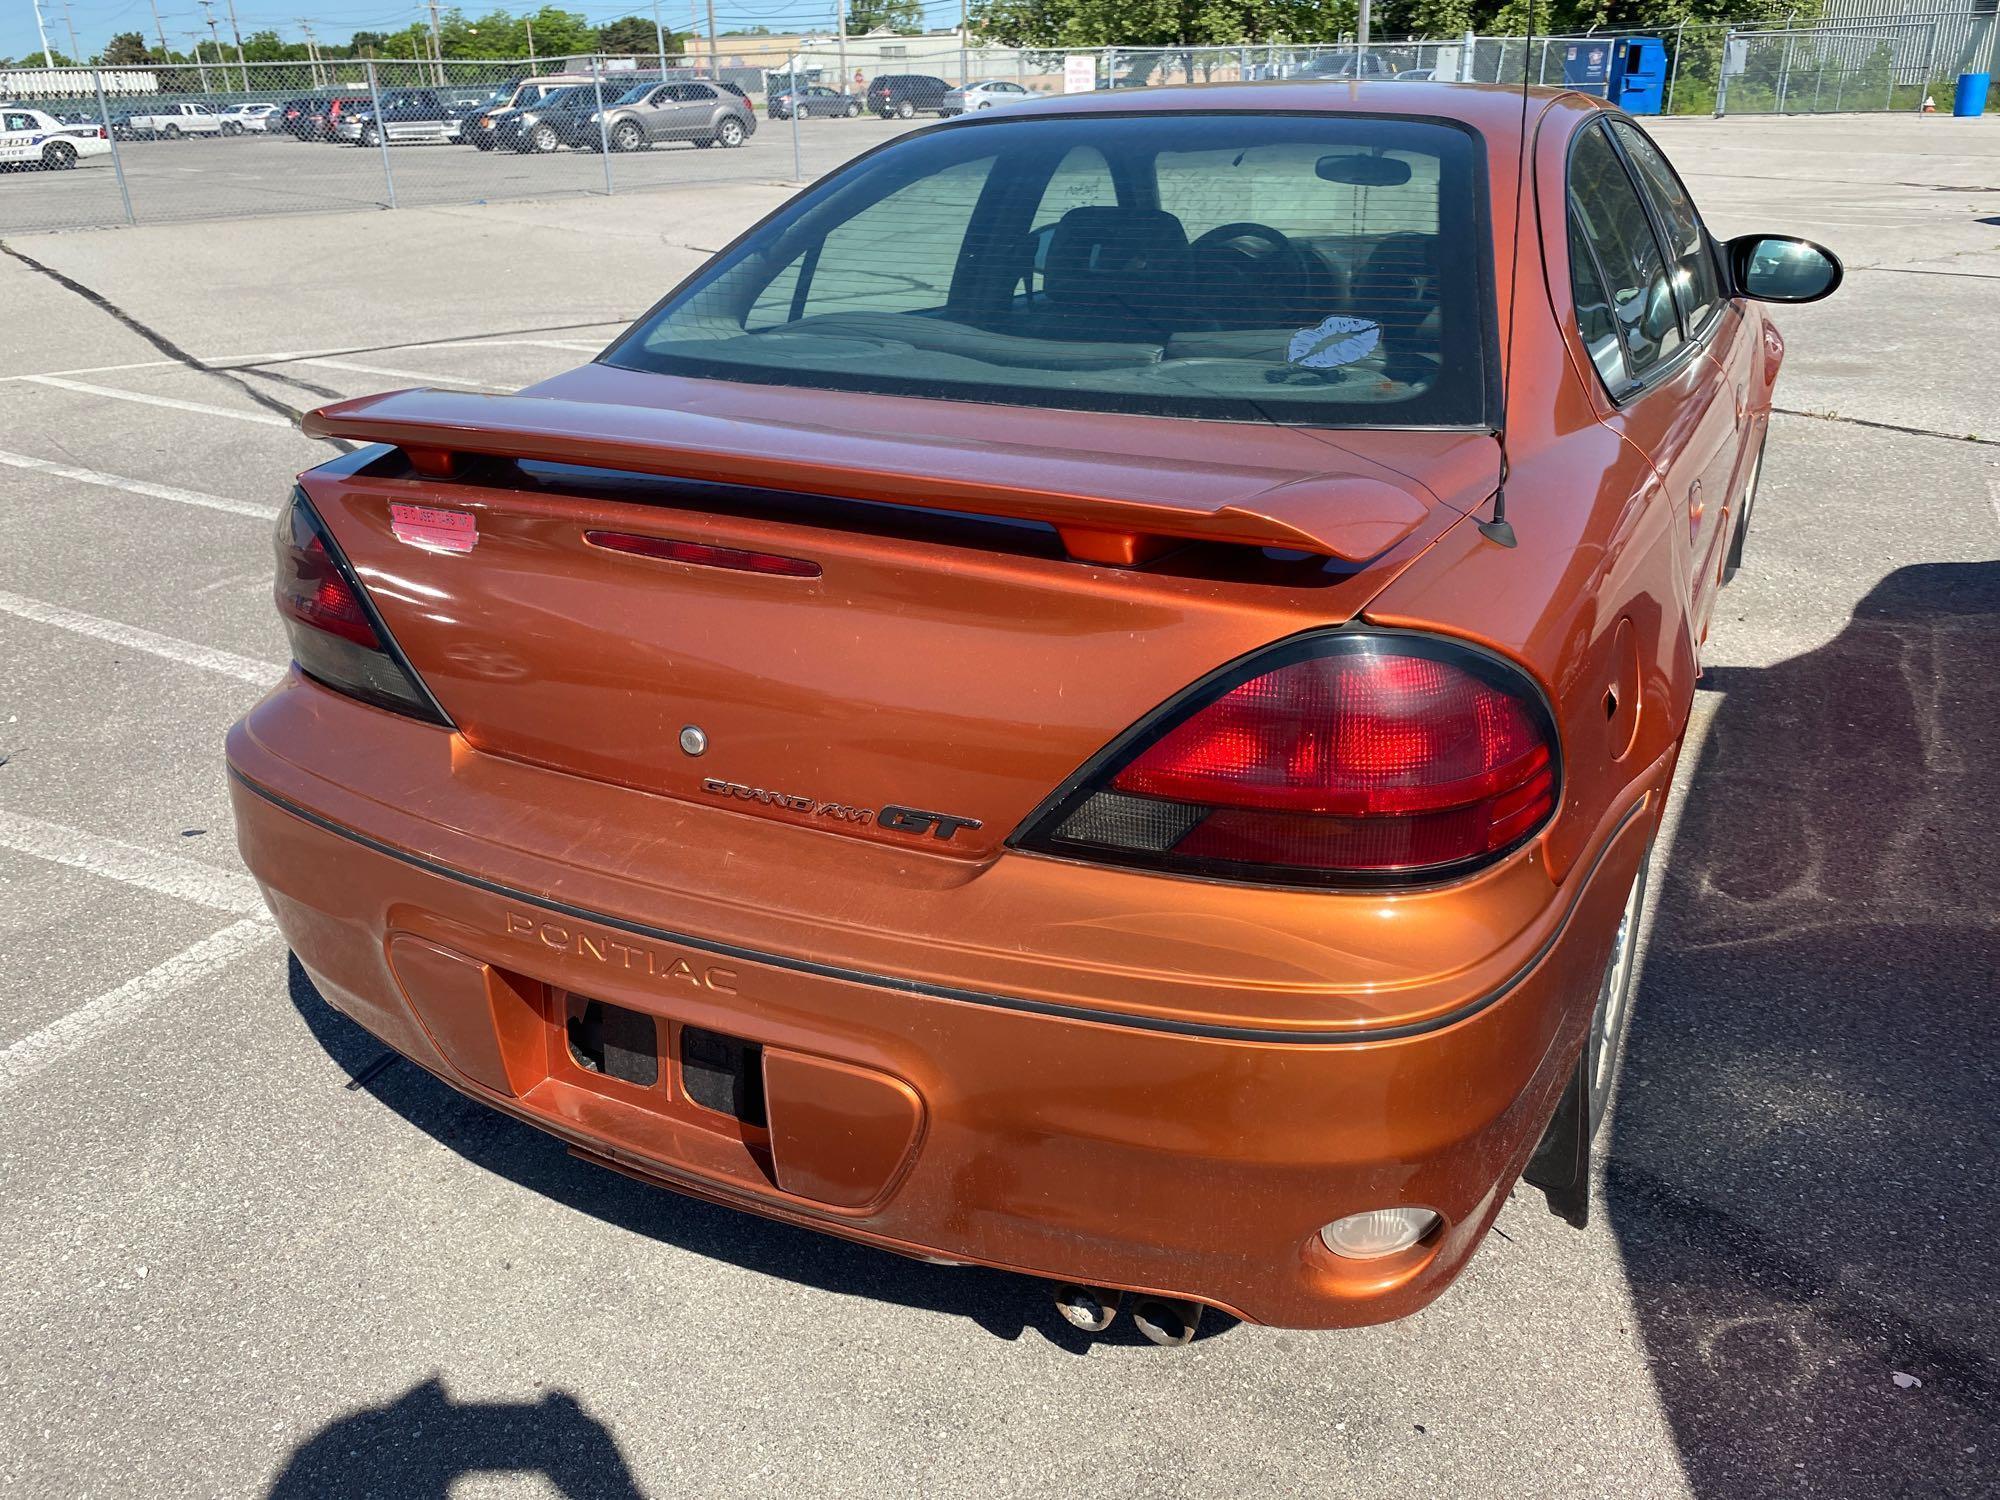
[245, 1257]
[201, 178]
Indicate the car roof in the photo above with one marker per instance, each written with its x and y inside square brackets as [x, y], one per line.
[1494, 110]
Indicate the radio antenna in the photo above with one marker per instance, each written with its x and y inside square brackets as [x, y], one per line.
[1498, 529]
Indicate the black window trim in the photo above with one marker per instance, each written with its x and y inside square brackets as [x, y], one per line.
[1659, 218]
[1638, 385]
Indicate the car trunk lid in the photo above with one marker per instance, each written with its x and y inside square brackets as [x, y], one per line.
[986, 595]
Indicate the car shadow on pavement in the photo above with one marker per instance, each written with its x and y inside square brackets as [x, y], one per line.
[418, 1444]
[1803, 1163]
[1006, 1305]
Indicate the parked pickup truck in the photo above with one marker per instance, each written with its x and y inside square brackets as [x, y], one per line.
[172, 121]
[408, 116]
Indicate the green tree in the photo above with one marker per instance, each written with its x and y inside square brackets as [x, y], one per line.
[634, 35]
[864, 16]
[125, 49]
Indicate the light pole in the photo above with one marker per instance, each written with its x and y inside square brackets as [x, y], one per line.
[48, 57]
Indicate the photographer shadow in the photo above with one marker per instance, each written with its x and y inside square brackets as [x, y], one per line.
[1802, 1167]
[415, 1447]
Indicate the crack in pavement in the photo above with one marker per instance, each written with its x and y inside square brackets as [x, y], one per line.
[179, 355]
[1929, 432]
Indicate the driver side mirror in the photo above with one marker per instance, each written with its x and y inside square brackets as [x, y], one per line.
[1781, 268]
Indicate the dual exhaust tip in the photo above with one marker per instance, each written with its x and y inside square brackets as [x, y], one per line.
[1167, 1321]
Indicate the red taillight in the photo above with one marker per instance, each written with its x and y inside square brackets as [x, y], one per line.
[319, 596]
[336, 636]
[1346, 756]
[703, 555]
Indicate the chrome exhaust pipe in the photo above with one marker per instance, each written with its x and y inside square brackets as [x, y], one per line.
[1090, 1308]
[1167, 1321]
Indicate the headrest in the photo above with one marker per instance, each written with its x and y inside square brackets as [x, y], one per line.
[1130, 262]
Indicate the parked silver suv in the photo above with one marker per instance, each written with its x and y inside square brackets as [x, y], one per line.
[685, 111]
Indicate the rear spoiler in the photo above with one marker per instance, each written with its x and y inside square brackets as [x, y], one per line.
[1107, 508]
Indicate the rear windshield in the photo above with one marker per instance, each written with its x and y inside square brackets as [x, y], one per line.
[1310, 269]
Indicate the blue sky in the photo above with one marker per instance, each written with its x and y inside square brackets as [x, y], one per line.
[334, 20]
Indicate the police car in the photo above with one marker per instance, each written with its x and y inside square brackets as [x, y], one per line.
[29, 138]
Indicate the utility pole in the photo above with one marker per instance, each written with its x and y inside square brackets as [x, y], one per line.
[714, 67]
[199, 61]
[161, 31]
[75, 47]
[208, 10]
[963, 76]
[237, 32]
[48, 57]
[312, 49]
[840, 14]
[529, 22]
[660, 38]
[1361, 37]
[437, 43]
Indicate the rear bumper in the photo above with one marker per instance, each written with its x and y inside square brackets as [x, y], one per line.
[1129, 1149]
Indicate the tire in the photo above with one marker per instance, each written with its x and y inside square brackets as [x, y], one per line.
[627, 136]
[1613, 1016]
[58, 156]
[1733, 563]
[906, 110]
[370, 136]
[171, 133]
[229, 127]
[730, 134]
[541, 140]
[852, 109]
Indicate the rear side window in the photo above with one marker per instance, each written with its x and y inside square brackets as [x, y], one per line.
[1594, 317]
[1318, 269]
[1695, 281]
[1608, 212]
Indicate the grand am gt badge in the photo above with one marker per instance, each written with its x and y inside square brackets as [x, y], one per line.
[895, 818]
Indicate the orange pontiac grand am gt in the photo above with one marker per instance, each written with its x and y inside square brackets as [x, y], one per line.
[1092, 696]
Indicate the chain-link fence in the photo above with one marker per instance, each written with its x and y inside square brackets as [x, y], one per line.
[206, 140]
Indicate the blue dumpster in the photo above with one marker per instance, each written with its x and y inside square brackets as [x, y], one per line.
[1970, 99]
[1639, 75]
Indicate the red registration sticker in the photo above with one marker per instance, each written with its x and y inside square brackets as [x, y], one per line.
[442, 530]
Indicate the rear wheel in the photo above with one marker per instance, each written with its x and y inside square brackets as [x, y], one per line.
[542, 139]
[852, 109]
[172, 133]
[1613, 1016]
[906, 110]
[58, 156]
[370, 136]
[230, 127]
[730, 132]
[627, 136]
[1741, 534]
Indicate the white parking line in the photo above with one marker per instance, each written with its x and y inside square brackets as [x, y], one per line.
[42, 1049]
[300, 356]
[140, 487]
[166, 647]
[419, 375]
[264, 419]
[149, 869]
